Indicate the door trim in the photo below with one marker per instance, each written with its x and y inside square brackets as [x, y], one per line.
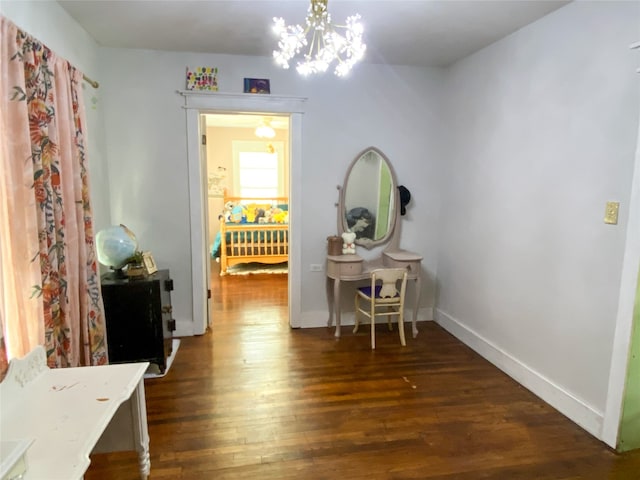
[196, 103]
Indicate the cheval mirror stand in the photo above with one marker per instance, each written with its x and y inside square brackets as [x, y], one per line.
[369, 205]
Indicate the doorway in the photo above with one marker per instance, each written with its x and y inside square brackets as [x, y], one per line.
[195, 104]
[247, 162]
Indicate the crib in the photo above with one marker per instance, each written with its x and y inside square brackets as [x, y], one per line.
[260, 235]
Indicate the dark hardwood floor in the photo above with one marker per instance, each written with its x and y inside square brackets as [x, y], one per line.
[252, 399]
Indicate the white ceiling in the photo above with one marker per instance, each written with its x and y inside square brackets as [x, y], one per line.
[401, 32]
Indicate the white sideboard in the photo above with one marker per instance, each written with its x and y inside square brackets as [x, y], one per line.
[68, 413]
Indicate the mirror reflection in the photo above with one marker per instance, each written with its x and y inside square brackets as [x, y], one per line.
[368, 198]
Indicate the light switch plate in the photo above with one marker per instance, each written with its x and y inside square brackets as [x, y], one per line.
[611, 213]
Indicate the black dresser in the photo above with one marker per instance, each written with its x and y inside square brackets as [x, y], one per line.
[138, 318]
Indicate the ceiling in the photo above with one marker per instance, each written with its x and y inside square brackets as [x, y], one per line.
[400, 32]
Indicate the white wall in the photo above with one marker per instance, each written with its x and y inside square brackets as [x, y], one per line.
[543, 128]
[394, 109]
[50, 24]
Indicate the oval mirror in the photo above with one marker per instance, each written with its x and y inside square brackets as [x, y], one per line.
[367, 199]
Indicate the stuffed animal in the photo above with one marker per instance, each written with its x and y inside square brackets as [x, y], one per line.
[267, 217]
[270, 215]
[251, 213]
[226, 212]
[238, 214]
[275, 211]
[348, 245]
[281, 216]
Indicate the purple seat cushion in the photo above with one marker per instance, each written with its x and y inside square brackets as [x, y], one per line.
[367, 291]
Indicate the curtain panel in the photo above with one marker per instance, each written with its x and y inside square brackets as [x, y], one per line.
[49, 273]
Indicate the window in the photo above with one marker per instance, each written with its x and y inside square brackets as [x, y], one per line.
[258, 174]
[259, 169]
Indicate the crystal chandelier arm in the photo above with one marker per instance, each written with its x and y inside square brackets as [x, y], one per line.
[313, 44]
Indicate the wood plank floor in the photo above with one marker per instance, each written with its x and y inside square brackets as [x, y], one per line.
[252, 399]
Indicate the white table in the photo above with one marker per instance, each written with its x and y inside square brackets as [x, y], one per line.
[352, 268]
[70, 413]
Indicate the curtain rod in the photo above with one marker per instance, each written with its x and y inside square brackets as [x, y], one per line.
[93, 83]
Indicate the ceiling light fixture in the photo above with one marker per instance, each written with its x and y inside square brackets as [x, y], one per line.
[325, 44]
[265, 130]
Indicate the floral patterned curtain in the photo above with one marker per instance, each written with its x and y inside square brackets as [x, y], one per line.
[48, 270]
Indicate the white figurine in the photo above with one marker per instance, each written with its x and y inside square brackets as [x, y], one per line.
[348, 245]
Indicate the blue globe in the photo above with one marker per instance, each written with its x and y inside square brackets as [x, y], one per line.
[115, 245]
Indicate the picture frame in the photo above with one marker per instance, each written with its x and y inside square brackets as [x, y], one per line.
[257, 85]
[215, 182]
[202, 78]
[149, 263]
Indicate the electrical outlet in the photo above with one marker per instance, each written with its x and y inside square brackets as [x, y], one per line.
[315, 267]
[611, 213]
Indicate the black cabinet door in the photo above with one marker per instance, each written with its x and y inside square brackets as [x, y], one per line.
[138, 318]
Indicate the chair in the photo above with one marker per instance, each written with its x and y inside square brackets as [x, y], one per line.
[383, 292]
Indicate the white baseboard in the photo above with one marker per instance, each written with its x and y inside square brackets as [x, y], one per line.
[573, 408]
[312, 319]
[154, 371]
[184, 328]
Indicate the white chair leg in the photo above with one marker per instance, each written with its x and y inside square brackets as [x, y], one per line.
[401, 327]
[357, 322]
[373, 328]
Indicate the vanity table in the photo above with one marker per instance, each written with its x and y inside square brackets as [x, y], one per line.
[368, 205]
[351, 268]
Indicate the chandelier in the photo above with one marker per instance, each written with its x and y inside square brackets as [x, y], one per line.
[325, 43]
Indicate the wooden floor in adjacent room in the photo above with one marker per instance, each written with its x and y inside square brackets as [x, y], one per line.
[253, 399]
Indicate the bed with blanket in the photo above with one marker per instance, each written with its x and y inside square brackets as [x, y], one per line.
[252, 230]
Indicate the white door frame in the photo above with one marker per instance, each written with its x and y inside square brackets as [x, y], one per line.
[201, 102]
